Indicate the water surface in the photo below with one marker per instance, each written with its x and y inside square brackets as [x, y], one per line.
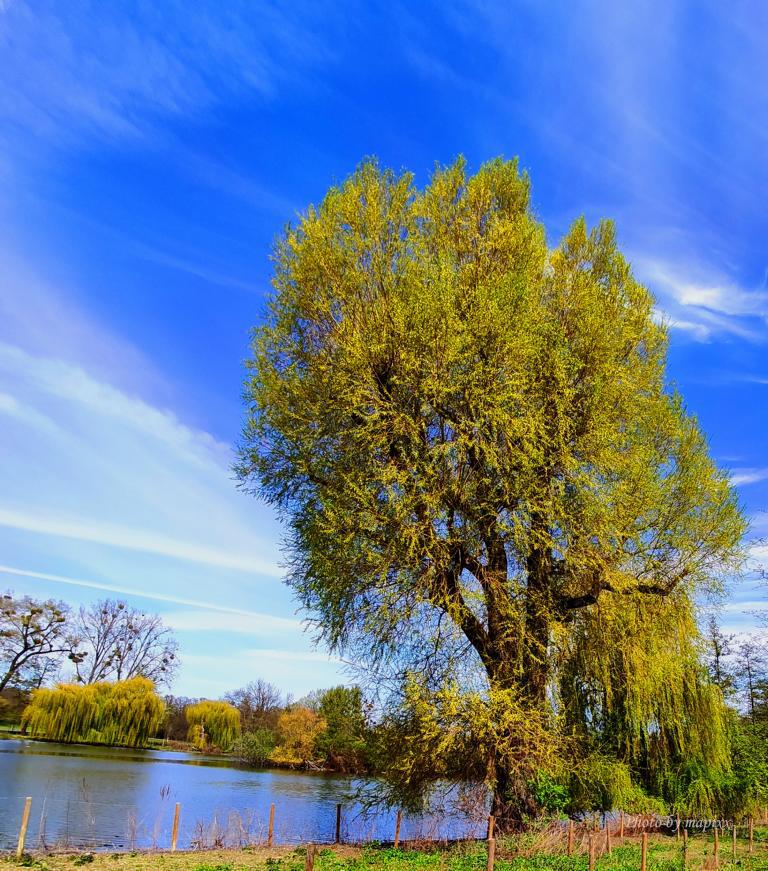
[112, 798]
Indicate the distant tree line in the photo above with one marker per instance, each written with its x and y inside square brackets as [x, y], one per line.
[260, 726]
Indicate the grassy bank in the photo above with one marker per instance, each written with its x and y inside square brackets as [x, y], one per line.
[664, 854]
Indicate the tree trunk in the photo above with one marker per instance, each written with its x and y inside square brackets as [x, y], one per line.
[512, 802]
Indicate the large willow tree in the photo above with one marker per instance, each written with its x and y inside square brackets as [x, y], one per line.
[485, 473]
[126, 713]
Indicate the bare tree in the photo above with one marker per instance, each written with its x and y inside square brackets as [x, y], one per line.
[751, 672]
[121, 642]
[259, 704]
[34, 637]
[720, 650]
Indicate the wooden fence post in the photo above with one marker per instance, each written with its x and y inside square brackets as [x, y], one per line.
[570, 837]
[491, 854]
[271, 830]
[491, 827]
[644, 852]
[677, 829]
[621, 825]
[685, 849]
[591, 851]
[398, 821]
[309, 863]
[175, 830]
[716, 853]
[751, 835]
[608, 838]
[733, 842]
[338, 823]
[23, 827]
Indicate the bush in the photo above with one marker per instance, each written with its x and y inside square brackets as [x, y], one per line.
[256, 747]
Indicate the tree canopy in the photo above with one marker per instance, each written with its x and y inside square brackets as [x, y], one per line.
[489, 484]
[118, 642]
[212, 725]
[125, 713]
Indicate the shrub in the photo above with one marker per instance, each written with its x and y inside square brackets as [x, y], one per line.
[256, 747]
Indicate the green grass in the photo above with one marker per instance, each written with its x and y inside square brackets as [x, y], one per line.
[664, 854]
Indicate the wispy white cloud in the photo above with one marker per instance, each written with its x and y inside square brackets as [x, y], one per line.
[245, 623]
[704, 304]
[272, 654]
[154, 596]
[94, 530]
[741, 477]
[45, 320]
[121, 472]
[302, 671]
[90, 67]
[106, 490]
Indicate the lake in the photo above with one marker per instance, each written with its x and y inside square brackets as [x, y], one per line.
[111, 798]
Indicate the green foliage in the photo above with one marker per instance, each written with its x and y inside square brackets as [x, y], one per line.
[212, 725]
[748, 786]
[632, 686]
[343, 742]
[256, 747]
[552, 797]
[486, 477]
[458, 736]
[597, 782]
[126, 713]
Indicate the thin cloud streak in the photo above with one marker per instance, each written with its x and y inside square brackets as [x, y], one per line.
[132, 591]
[86, 529]
[245, 623]
[702, 304]
[741, 477]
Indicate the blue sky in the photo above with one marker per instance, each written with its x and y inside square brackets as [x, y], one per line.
[151, 151]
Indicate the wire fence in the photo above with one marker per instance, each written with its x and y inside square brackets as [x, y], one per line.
[67, 823]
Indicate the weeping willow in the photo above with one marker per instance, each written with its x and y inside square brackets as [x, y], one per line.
[126, 713]
[213, 724]
[633, 690]
[471, 437]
